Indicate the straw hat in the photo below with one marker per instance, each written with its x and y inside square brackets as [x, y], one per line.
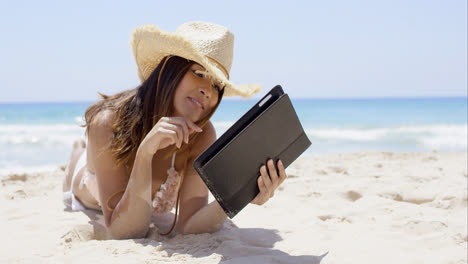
[208, 44]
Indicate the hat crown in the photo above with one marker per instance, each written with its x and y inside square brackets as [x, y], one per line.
[212, 40]
[210, 45]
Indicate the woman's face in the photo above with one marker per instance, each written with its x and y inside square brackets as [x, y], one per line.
[196, 95]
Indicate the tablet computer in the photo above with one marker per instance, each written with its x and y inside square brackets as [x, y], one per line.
[231, 165]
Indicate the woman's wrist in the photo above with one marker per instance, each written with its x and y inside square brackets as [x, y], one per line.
[143, 156]
[208, 219]
[144, 151]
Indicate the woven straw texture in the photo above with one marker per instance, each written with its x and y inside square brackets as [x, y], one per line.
[208, 44]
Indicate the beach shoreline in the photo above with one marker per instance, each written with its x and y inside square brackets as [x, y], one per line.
[363, 207]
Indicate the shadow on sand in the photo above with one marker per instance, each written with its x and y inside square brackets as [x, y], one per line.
[234, 244]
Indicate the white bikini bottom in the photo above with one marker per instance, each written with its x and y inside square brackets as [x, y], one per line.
[69, 198]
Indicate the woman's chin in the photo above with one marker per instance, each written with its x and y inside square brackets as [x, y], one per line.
[192, 118]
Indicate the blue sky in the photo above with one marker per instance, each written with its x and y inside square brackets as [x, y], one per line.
[69, 50]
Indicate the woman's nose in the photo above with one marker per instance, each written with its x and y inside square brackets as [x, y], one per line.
[206, 90]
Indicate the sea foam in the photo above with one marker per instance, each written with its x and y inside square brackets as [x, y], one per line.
[424, 137]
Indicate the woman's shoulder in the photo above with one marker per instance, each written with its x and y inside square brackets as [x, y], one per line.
[99, 136]
[103, 119]
[101, 125]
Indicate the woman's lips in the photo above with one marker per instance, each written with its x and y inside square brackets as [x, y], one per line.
[195, 104]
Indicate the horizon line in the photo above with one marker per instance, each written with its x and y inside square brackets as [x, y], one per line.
[258, 98]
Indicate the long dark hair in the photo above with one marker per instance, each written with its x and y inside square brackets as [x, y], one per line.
[138, 110]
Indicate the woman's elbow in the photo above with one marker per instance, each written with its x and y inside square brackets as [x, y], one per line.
[128, 234]
[128, 228]
[190, 228]
[118, 229]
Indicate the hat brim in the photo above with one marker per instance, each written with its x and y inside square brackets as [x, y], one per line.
[150, 45]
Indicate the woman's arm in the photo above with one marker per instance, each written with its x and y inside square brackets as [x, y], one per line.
[196, 215]
[131, 212]
[208, 219]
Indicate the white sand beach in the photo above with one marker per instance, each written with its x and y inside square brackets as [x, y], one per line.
[369, 207]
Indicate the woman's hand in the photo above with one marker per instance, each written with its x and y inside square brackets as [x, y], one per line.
[168, 131]
[269, 181]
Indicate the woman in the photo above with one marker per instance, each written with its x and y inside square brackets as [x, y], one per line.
[128, 168]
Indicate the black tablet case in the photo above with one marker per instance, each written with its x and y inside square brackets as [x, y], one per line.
[231, 165]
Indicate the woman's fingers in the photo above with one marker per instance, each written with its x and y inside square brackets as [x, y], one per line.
[177, 130]
[189, 123]
[262, 196]
[168, 131]
[273, 174]
[183, 126]
[282, 172]
[193, 125]
[266, 179]
[273, 177]
[180, 135]
[269, 181]
[170, 137]
[263, 190]
[187, 126]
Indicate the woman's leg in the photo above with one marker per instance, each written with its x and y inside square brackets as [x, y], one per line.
[79, 146]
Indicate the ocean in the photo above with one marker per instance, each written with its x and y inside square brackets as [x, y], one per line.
[39, 136]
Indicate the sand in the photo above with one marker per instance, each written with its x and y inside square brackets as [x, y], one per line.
[370, 207]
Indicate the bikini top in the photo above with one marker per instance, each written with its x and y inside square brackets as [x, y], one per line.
[166, 198]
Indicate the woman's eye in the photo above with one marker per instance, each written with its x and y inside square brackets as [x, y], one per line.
[198, 73]
[217, 88]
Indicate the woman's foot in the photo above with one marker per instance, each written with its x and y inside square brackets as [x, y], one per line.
[79, 146]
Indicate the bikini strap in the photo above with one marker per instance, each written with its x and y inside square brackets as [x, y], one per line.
[177, 202]
[173, 160]
[176, 210]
